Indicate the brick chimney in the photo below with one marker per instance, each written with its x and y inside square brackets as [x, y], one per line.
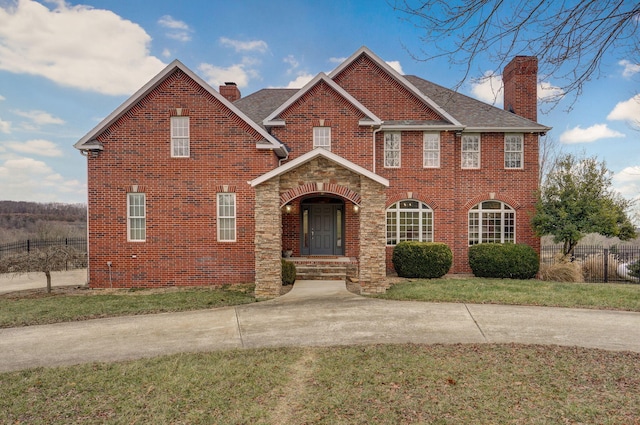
[520, 79]
[230, 91]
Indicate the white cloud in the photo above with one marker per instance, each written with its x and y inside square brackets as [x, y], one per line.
[5, 126]
[292, 62]
[302, 79]
[39, 117]
[179, 30]
[2, 98]
[337, 60]
[589, 134]
[216, 75]
[396, 65]
[629, 111]
[488, 88]
[36, 147]
[166, 53]
[630, 68]
[28, 179]
[245, 46]
[76, 46]
[627, 181]
[549, 92]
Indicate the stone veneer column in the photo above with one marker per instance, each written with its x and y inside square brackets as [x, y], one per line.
[268, 242]
[372, 237]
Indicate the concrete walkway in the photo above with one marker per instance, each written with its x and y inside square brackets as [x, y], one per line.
[314, 313]
[37, 280]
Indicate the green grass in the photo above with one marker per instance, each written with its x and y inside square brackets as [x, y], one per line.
[391, 384]
[17, 311]
[519, 292]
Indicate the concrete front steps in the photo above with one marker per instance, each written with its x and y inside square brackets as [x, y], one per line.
[325, 268]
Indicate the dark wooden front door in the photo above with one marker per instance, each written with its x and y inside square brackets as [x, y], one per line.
[322, 229]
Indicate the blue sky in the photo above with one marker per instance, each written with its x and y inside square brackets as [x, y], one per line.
[65, 65]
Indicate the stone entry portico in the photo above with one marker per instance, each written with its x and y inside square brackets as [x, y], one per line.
[319, 172]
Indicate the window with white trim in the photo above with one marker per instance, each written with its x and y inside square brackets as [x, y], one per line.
[392, 149]
[136, 217]
[513, 150]
[226, 217]
[431, 150]
[322, 137]
[492, 222]
[470, 151]
[180, 137]
[409, 220]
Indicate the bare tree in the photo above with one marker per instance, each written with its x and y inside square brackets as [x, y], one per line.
[570, 39]
[550, 150]
[47, 260]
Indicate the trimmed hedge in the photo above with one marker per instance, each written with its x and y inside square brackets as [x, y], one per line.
[513, 261]
[288, 272]
[422, 259]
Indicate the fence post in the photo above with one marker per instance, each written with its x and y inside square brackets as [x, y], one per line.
[606, 265]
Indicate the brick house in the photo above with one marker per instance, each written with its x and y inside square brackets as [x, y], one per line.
[192, 186]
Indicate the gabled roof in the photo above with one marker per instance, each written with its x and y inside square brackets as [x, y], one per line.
[474, 114]
[315, 153]
[88, 142]
[399, 78]
[272, 119]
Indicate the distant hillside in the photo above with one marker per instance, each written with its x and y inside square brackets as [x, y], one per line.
[32, 220]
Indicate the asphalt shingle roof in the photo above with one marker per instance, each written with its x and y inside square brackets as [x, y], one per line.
[469, 112]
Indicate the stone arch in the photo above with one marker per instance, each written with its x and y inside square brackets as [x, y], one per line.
[327, 188]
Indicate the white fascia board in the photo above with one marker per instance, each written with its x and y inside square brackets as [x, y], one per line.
[151, 85]
[399, 78]
[421, 127]
[272, 121]
[319, 152]
[540, 129]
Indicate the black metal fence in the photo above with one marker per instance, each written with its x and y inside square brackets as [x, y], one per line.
[29, 245]
[599, 264]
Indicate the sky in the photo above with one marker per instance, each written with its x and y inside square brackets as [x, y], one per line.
[65, 65]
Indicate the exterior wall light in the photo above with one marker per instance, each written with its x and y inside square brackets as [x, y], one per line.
[288, 208]
[356, 209]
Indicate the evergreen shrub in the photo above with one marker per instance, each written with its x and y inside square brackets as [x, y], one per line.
[422, 259]
[288, 272]
[512, 261]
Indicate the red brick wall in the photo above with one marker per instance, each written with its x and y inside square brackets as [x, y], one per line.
[181, 247]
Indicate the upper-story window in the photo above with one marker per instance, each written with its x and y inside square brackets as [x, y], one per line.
[322, 137]
[513, 150]
[431, 150]
[392, 149]
[136, 217]
[470, 151]
[180, 137]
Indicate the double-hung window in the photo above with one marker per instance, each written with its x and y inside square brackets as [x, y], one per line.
[492, 222]
[226, 217]
[513, 150]
[392, 149]
[180, 137]
[470, 151]
[322, 137]
[136, 217]
[431, 150]
[409, 220]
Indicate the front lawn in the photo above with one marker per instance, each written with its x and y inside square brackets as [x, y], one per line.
[613, 296]
[382, 384]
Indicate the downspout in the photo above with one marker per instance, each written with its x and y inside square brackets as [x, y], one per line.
[376, 131]
[85, 153]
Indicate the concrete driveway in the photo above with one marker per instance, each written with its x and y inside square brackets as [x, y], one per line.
[314, 313]
[35, 280]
